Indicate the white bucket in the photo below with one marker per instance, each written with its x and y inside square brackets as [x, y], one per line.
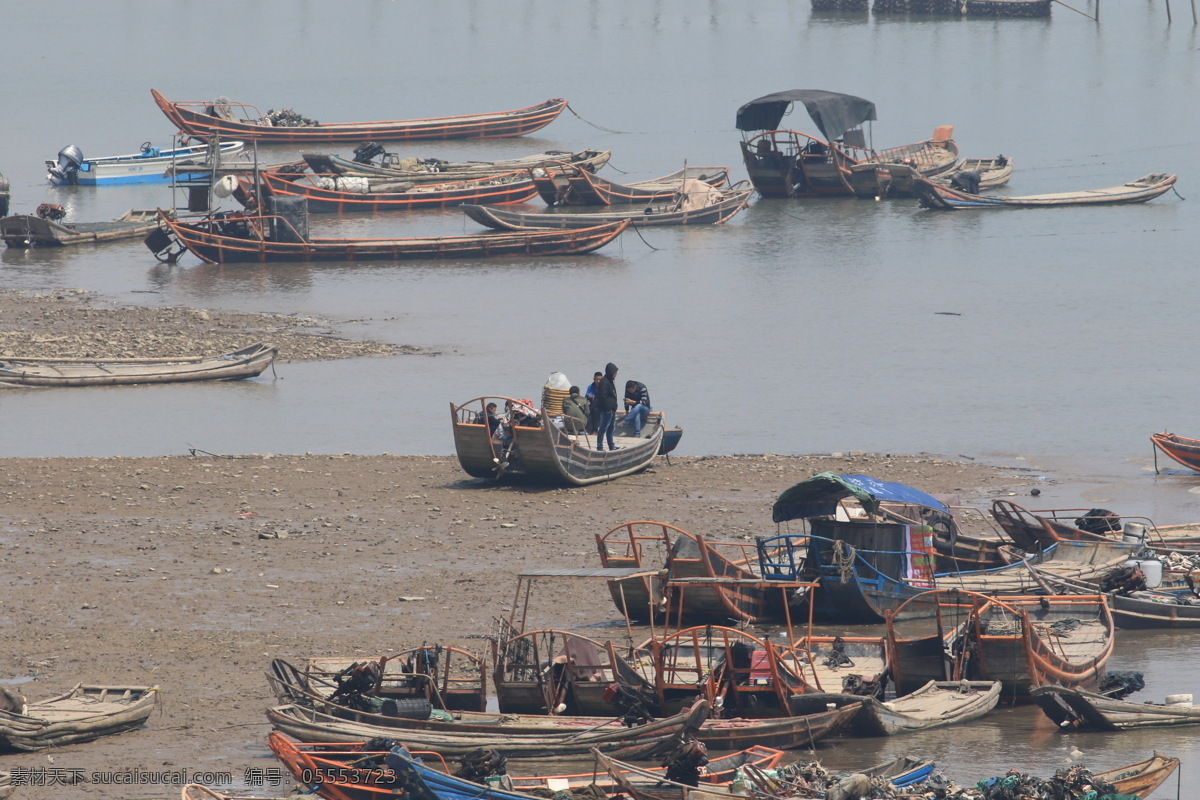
[1134, 533]
[1152, 568]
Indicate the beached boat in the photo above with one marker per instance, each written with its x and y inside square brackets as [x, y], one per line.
[332, 193]
[1079, 709]
[940, 197]
[536, 449]
[284, 237]
[1022, 641]
[80, 715]
[788, 163]
[47, 372]
[436, 170]
[231, 120]
[566, 185]
[359, 771]
[562, 740]
[696, 204]
[1180, 448]
[148, 165]
[44, 230]
[934, 705]
[559, 672]
[448, 678]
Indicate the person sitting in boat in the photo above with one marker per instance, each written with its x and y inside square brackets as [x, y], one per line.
[637, 406]
[490, 417]
[575, 411]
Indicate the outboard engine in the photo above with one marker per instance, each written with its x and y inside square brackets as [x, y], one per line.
[70, 159]
[366, 151]
[966, 181]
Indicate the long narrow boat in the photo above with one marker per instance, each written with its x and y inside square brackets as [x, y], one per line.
[540, 451]
[80, 715]
[583, 188]
[359, 193]
[360, 771]
[934, 705]
[1182, 449]
[46, 372]
[231, 120]
[939, 197]
[277, 237]
[698, 204]
[1023, 641]
[788, 163]
[436, 170]
[148, 165]
[897, 179]
[36, 230]
[642, 742]
[1076, 708]
[1043, 528]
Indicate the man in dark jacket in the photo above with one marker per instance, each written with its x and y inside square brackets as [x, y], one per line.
[606, 400]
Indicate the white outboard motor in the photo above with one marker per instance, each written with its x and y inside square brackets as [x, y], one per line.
[70, 159]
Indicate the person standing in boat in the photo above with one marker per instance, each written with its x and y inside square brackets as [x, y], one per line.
[606, 399]
[593, 406]
[637, 406]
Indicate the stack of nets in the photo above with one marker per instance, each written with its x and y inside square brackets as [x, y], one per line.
[286, 118]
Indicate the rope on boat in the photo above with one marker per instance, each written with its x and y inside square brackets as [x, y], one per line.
[194, 450]
[638, 231]
[594, 125]
[1177, 194]
[1077, 11]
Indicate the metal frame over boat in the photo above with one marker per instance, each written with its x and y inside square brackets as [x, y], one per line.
[359, 193]
[47, 372]
[80, 715]
[276, 237]
[709, 206]
[547, 453]
[940, 197]
[217, 117]
[34, 230]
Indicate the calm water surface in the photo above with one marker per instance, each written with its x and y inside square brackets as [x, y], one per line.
[1056, 338]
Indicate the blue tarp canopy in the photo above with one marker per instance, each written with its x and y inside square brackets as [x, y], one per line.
[819, 496]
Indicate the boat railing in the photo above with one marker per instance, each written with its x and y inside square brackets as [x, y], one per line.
[250, 113]
[782, 557]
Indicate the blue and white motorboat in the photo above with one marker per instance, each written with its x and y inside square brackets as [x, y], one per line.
[150, 165]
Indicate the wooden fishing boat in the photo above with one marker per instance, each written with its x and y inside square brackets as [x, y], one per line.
[934, 705]
[46, 372]
[360, 770]
[641, 742]
[1043, 528]
[279, 237]
[972, 175]
[148, 165]
[874, 176]
[1022, 641]
[559, 672]
[332, 193]
[642, 545]
[38, 230]
[788, 163]
[697, 204]
[80, 715]
[567, 185]
[1076, 708]
[1148, 187]
[449, 678]
[230, 120]
[786, 733]
[1147, 610]
[436, 170]
[536, 449]
[1180, 448]
[1141, 777]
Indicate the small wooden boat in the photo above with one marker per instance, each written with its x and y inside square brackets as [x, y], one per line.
[934, 705]
[536, 449]
[786, 733]
[1044, 528]
[1180, 448]
[937, 196]
[230, 120]
[245, 363]
[641, 742]
[355, 771]
[148, 165]
[1141, 777]
[449, 678]
[972, 175]
[1147, 610]
[1022, 641]
[42, 230]
[1076, 708]
[340, 194]
[436, 170]
[80, 715]
[279, 237]
[697, 204]
[567, 185]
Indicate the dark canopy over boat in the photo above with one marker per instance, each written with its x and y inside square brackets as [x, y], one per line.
[833, 113]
